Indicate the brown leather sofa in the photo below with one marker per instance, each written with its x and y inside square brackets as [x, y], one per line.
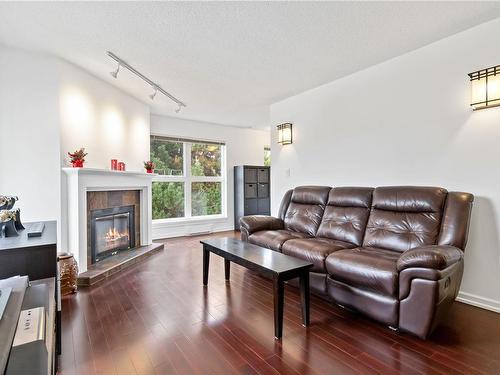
[394, 253]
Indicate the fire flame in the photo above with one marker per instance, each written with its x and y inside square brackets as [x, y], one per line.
[113, 235]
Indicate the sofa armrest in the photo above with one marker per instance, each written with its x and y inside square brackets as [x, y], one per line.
[436, 257]
[255, 223]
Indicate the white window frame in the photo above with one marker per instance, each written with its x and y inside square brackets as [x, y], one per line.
[187, 178]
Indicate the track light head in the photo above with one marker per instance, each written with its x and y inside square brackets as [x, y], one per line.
[114, 74]
[152, 96]
[178, 109]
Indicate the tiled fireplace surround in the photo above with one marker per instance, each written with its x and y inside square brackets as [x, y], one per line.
[111, 199]
[87, 189]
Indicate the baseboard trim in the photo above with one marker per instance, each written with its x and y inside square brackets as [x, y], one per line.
[478, 301]
[189, 229]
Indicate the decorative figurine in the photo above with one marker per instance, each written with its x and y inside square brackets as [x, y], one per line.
[17, 220]
[7, 202]
[10, 220]
[7, 224]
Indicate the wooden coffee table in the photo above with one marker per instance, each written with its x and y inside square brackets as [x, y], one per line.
[279, 267]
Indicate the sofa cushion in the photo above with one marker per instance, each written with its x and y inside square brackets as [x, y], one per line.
[306, 209]
[405, 217]
[273, 239]
[368, 268]
[314, 250]
[346, 214]
[313, 195]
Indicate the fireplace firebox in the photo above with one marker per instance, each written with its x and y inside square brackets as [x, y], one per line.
[112, 230]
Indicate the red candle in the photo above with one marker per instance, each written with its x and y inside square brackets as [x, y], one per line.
[121, 166]
[114, 164]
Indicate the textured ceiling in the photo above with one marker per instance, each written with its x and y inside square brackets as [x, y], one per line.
[228, 61]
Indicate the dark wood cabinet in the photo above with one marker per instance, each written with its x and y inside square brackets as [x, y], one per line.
[35, 257]
[251, 191]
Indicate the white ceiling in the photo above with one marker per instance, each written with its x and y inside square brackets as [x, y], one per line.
[229, 60]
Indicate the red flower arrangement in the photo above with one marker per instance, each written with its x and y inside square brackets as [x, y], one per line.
[149, 166]
[77, 158]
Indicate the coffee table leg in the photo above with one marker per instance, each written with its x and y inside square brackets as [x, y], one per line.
[206, 262]
[279, 294]
[304, 296]
[227, 268]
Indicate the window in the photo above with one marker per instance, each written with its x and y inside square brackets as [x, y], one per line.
[267, 156]
[206, 198]
[190, 181]
[168, 199]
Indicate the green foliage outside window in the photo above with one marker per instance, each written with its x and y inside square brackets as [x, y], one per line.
[168, 197]
[267, 156]
[167, 157]
[168, 200]
[206, 198]
[205, 159]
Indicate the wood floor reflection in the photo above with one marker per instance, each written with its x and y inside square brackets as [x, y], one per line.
[156, 318]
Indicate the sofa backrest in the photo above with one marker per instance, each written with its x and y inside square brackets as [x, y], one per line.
[392, 217]
[305, 210]
[346, 214]
[456, 220]
[285, 202]
[404, 217]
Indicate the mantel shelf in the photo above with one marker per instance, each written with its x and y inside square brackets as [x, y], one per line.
[78, 171]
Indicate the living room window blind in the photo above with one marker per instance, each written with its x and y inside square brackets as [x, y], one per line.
[191, 140]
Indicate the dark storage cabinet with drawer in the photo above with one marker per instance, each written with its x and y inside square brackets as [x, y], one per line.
[251, 191]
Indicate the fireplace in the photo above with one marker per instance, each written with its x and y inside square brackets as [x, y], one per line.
[112, 230]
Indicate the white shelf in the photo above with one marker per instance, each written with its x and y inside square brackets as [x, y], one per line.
[76, 171]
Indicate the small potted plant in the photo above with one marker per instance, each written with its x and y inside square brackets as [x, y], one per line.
[149, 166]
[77, 158]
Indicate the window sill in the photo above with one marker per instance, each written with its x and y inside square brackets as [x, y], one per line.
[187, 220]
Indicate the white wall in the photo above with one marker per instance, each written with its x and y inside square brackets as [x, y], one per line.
[29, 133]
[49, 107]
[107, 122]
[243, 146]
[407, 121]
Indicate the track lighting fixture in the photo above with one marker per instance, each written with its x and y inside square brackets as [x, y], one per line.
[115, 73]
[155, 86]
[152, 96]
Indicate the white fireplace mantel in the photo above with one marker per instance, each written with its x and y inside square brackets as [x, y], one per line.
[81, 180]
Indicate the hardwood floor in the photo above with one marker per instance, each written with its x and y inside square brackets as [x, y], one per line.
[156, 318]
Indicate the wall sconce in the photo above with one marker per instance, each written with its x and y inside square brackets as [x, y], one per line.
[285, 133]
[485, 88]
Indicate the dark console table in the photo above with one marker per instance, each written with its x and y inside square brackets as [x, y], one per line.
[35, 257]
[279, 267]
